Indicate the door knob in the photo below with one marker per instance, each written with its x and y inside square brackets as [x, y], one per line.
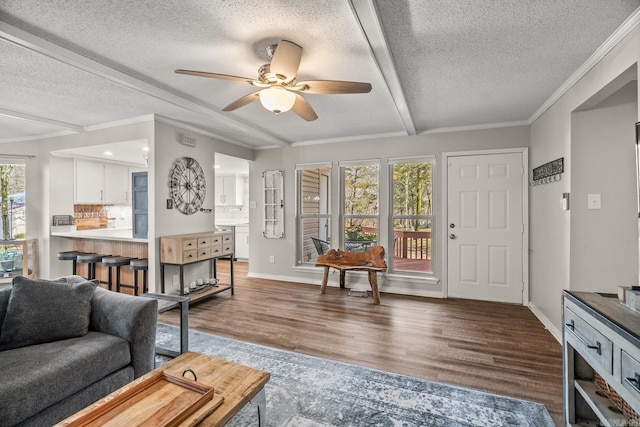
[452, 225]
[452, 236]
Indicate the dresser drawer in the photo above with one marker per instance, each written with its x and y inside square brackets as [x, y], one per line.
[189, 256]
[590, 343]
[189, 244]
[204, 242]
[630, 374]
[204, 253]
[216, 251]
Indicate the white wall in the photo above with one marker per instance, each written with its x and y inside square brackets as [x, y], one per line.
[604, 242]
[549, 225]
[166, 222]
[286, 159]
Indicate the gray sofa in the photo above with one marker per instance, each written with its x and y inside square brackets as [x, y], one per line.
[65, 344]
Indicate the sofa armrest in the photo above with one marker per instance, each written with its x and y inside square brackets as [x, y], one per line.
[131, 318]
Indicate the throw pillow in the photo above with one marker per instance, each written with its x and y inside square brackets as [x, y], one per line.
[41, 311]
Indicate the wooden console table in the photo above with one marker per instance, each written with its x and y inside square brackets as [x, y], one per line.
[372, 261]
[184, 249]
[601, 344]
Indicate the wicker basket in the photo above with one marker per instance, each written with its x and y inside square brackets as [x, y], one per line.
[632, 416]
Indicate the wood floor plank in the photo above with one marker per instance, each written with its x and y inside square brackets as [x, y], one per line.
[494, 347]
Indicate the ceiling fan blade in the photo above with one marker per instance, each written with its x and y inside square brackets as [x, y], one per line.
[286, 60]
[247, 99]
[333, 86]
[302, 108]
[215, 76]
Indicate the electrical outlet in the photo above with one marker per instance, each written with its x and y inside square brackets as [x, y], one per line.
[272, 259]
[176, 279]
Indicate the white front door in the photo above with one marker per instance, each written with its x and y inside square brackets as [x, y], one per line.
[485, 227]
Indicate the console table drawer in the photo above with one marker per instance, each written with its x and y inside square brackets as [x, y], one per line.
[204, 253]
[189, 244]
[630, 374]
[591, 343]
[227, 238]
[227, 249]
[216, 251]
[216, 240]
[204, 242]
[189, 256]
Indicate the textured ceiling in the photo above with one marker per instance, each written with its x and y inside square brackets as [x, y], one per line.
[71, 64]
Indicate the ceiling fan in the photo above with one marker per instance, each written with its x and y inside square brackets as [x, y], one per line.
[279, 89]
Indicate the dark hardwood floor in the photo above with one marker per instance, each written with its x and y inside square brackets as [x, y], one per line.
[500, 348]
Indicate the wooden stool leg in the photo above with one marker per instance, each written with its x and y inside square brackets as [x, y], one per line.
[342, 273]
[325, 278]
[373, 281]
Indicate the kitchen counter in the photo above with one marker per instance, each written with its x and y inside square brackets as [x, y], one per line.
[117, 234]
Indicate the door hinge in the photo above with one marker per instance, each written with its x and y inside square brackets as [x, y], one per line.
[522, 229]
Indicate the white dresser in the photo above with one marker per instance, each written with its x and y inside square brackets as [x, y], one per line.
[600, 337]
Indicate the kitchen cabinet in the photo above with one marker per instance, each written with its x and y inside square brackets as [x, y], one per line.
[229, 190]
[101, 183]
[242, 242]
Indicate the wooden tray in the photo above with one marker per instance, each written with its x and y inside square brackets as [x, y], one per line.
[161, 399]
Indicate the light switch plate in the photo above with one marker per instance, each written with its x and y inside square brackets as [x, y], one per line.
[594, 201]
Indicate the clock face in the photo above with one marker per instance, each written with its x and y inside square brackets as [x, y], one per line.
[187, 185]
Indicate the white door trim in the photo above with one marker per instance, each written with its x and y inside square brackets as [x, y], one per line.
[525, 215]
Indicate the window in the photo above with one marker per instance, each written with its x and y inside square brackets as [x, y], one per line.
[12, 199]
[314, 211]
[411, 214]
[359, 205]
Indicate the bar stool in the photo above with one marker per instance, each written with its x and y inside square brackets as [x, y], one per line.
[137, 265]
[91, 260]
[115, 262]
[70, 256]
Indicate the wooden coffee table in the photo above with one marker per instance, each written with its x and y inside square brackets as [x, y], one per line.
[235, 385]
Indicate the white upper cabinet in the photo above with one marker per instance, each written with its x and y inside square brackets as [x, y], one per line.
[229, 190]
[116, 184]
[101, 183]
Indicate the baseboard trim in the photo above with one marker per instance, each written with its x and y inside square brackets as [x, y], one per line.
[358, 285]
[546, 322]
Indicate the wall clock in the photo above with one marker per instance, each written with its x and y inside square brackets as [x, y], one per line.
[187, 185]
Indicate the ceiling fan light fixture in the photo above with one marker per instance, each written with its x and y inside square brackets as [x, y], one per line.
[277, 99]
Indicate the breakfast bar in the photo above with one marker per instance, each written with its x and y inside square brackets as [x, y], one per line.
[115, 242]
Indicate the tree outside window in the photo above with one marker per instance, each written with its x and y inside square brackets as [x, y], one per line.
[12, 199]
[360, 206]
[412, 215]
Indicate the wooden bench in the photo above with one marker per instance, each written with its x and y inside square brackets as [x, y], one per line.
[372, 261]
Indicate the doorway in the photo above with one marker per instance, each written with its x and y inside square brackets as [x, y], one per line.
[486, 226]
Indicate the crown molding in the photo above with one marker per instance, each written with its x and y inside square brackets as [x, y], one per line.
[483, 126]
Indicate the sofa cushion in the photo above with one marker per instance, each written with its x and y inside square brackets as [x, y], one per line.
[41, 311]
[35, 377]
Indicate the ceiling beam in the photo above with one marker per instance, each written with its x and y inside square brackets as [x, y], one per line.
[366, 13]
[42, 120]
[52, 50]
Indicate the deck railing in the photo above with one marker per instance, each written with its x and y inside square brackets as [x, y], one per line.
[412, 244]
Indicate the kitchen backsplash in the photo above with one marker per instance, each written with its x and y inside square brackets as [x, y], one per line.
[238, 212]
[90, 217]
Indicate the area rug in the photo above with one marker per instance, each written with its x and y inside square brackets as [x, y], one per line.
[307, 391]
